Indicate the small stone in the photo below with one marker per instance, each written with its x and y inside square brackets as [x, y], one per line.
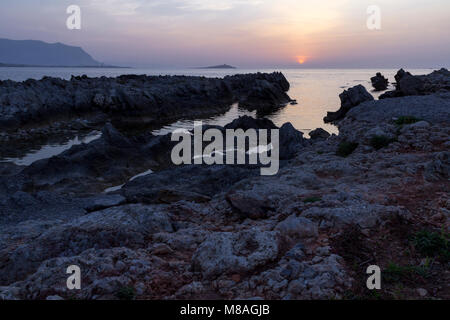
[286, 273]
[236, 278]
[248, 207]
[298, 228]
[140, 288]
[422, 292]
[161, 249]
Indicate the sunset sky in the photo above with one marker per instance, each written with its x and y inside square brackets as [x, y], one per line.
[245, 33]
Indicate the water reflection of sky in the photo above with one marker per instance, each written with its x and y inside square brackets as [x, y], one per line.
[50, 150]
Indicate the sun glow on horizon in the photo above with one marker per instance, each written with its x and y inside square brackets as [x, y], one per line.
[301, 59]
[249, 34]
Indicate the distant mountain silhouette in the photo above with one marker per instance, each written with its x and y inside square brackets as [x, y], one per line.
[39, 53]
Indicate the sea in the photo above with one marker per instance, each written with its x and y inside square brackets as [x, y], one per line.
[316, 91]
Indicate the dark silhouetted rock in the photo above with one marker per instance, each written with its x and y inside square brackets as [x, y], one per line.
[399, 75]
[349, 98]
[291, 141]
[319, 134]
[266, 95]
[411, 85]
[379, 82]
[247, 122]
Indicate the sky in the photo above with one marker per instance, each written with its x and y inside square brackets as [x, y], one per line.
[243, 33]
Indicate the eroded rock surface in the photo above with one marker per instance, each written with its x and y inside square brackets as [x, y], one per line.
[226, 232]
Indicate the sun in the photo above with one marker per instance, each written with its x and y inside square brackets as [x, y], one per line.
[301, 59]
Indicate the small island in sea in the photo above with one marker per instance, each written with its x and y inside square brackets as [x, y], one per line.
[222, 66]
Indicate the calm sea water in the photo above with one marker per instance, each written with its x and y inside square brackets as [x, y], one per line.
[316, 91]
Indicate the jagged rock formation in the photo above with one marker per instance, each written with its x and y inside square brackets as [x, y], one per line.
[379, 82]
[349, 99]
[160, 99]
[410, 85]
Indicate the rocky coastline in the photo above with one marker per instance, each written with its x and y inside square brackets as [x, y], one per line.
[159, 98]
[372, 195]
[35, 110]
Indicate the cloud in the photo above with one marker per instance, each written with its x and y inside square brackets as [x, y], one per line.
[215, 5]
[171, 7]
[116, 7]
[239, 32]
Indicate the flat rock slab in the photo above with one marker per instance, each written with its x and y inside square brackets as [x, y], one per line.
[235, 253]
[104, 201]
[433, 108]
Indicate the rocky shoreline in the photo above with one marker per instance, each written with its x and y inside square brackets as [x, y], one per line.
[375, 194]
[53, 107]
[156, 97]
